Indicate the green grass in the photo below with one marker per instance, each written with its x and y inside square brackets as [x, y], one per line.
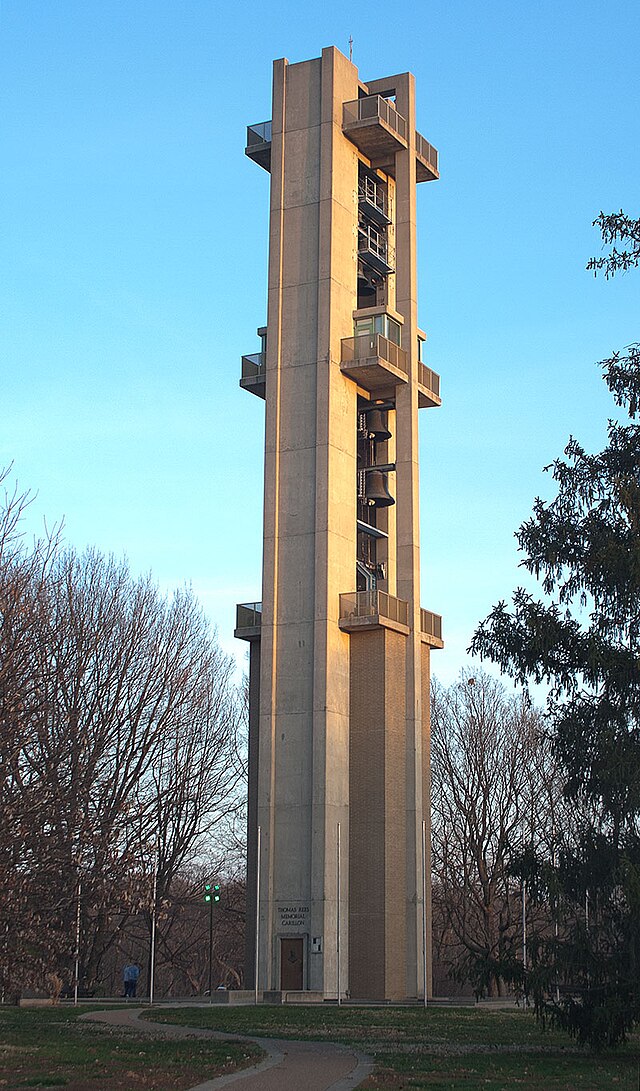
[49, 1048]
[440, 1049]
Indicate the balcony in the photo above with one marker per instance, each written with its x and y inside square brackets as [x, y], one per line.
[374, 250]
[428, 387]
[431, 629]
[362, 610]
[426, 160]
[248, 621]
[254, 374]
[259, 144]
[375, 127]
[373, 362]
[372, 201]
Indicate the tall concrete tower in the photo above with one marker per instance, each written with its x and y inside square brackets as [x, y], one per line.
[339, 645]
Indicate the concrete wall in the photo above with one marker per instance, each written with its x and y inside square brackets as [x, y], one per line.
[343, 720]
[377, 791]
[309, 506]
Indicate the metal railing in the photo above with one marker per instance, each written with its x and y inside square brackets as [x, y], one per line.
[373, 194]
[253, 366]
[374, 344]
[373, 604]
[431, 623]
[427, 151]
[428, 378]
[374, 108]
[371, 239]
[373, 245]
[248, 615]
[259, 134]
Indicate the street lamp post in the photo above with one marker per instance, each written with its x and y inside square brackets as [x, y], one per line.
[424, 912]
[152, 959]
[211, 896]
[210, 947]
[77, 959]
[524, 939]
[257, 936]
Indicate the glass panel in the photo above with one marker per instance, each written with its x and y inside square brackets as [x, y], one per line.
[259, 134]
[379, 323]
[393, 330]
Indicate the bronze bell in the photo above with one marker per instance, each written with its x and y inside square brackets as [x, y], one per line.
[376, 492]
[376, 426]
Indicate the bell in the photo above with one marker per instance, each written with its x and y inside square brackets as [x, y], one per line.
[376, 492]
[376, 426]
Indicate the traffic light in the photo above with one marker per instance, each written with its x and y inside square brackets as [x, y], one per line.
[216, 892]
[207, 892]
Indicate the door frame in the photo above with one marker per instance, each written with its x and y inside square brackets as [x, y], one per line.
[304, 936]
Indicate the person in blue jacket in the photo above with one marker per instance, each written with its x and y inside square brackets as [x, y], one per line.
[131, 973]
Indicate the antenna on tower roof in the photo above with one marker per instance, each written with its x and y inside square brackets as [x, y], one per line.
[350, 48]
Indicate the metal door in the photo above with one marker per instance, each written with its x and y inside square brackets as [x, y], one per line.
[291, 964]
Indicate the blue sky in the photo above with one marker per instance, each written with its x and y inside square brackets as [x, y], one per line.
[133, 238]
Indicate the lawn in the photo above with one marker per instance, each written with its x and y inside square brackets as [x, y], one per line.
[48, 1048]
[440, 1049]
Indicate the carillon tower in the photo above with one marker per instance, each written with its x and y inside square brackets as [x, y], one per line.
[339, 645]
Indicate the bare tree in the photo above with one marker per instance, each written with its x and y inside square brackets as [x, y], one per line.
[183, 937]
[23, 574]
[494, 794]
[118, 751]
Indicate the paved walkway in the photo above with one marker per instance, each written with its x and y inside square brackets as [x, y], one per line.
[289, 1065]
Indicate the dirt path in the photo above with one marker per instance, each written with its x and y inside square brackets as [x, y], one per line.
[289, 1065]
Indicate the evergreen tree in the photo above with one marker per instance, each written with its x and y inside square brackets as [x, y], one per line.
[583, 640]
